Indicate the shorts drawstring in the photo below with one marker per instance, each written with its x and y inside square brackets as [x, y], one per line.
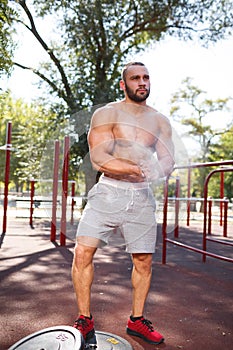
[131, 202]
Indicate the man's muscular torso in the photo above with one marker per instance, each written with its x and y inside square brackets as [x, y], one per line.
[129, 133]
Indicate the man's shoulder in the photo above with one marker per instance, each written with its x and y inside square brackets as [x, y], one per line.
[104, 114]
[111, 106]
[158, 115]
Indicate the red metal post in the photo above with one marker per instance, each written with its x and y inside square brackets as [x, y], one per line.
[205, 217]
[64, 191]
[226, 201]
[32, 194]
[221, 195]
[189, 195]
[7, 175]
[210, 215]
[205, 205]
[72, 202]
[164, 227]
[55, 191]
[203, 251]
[177, 208]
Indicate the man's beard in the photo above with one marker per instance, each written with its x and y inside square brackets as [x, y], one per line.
[134, 97]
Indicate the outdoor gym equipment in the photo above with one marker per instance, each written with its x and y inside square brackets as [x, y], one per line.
[202, 251]
[7, 148]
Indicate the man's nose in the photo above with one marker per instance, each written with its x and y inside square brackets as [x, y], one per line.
[142, 82]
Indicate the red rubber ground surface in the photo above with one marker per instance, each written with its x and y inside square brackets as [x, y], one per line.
[190, 303]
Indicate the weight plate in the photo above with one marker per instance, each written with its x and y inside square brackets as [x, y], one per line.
[53, 338]
[69, 338]
[109, 341]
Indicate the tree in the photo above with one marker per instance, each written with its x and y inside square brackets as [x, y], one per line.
[6, 42]
[32, 127]
[191, 107]
[96, 37]
[223, 149]
[9, 111]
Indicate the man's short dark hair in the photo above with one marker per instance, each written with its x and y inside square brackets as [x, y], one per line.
[123, 73]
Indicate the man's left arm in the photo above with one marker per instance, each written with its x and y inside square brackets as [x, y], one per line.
[165, 150]
[160, 163]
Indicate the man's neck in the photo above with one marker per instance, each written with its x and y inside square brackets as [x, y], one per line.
[128, 100]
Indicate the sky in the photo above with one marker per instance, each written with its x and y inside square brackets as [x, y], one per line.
[169, 62]
[173, 60]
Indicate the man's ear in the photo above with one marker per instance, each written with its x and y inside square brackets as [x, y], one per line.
[122, 85]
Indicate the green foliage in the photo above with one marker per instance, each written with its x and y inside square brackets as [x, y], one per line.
[32, 127]
[6, 42]
[192, 109]
[223, 149]
[93, 38]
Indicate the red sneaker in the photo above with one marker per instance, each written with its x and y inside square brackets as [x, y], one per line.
[143, 328]
[85, 325]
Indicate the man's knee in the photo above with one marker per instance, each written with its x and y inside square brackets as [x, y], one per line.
[142, 262]
[83, 255]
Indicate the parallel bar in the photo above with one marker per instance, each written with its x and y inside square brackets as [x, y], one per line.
[55, 191]
[221, 196]
[7, 175]
[218, 170]
[64, 191]
[177, 208]
[218, 241]
[189, 195]
[199, 250]
[164, 227]
[32, 203]
[72, 202]
[204, 165]
[226, 201]
[210, 215]
[202, 251]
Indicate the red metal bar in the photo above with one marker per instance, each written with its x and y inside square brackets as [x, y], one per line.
[32, 194]
[204, 165]
[177, 207]
[203, 251]
[224, 258]
[204, 223]
[64, 190]
[72, 202]
[55, 191]
[7, 175]
[210, 202]
[205, 204]
[221, 242]
[189, 195]
[226, 201]
[221, 195]
[164, 226]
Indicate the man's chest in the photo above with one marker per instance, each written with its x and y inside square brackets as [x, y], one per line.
[130, 132]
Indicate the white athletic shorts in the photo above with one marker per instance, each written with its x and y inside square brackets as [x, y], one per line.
[128, 207]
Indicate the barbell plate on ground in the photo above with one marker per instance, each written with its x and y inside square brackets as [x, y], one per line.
[109, 341]
[53, 338]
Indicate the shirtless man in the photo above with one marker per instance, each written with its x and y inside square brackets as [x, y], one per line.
[130, 143]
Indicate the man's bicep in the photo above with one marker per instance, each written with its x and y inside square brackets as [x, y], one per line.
[164, 145]
[101, 144]
[100, 137]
